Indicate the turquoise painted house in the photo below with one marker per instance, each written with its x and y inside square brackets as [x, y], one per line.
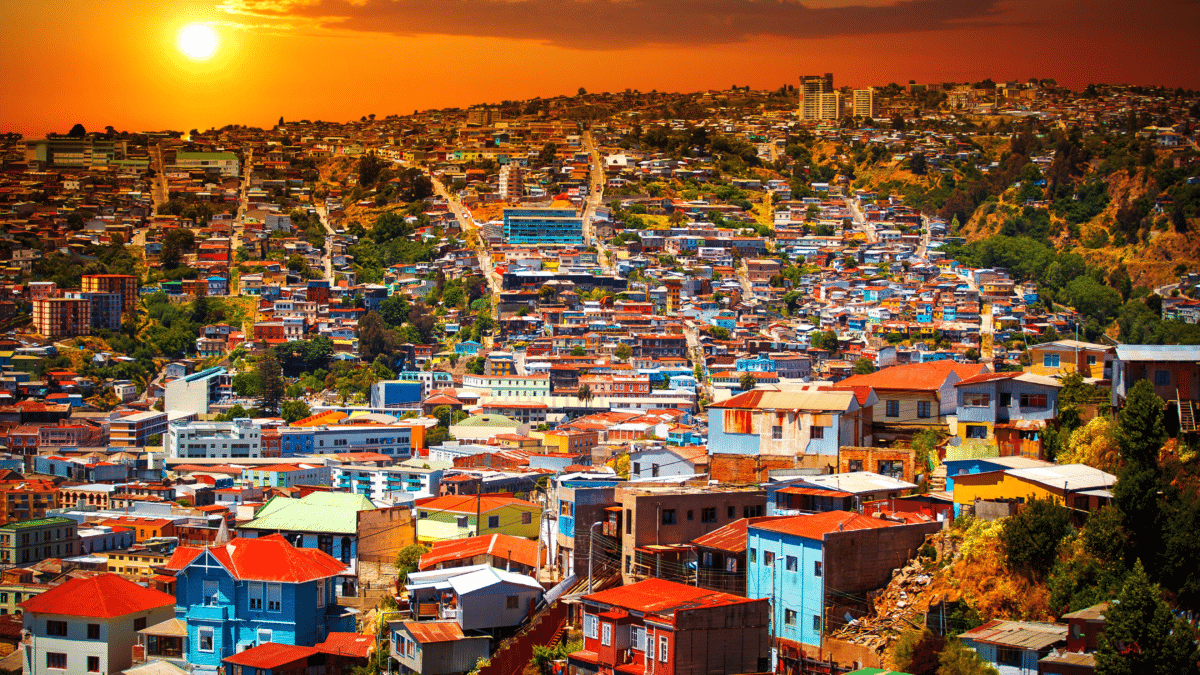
[254, 591]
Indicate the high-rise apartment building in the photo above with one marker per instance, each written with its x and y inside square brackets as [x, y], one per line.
[124, 284]
[864, 103]
[62, 317]
[831, 106]
[811, 89]
[511, 182]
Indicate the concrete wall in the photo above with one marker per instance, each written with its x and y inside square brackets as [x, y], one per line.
[728, 639]
[383, 532]
[862, 560]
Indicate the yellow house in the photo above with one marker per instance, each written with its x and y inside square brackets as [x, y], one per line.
[136, 564]
[462, 516]
[1055, 359]
[1077, 486]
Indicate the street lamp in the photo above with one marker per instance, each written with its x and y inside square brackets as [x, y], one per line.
[591, 542]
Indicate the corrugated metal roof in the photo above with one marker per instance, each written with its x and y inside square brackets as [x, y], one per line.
[817, 525]
[1029, 635]
[1076, 477]
[1158, 353]
[434, 631]
[857, 482]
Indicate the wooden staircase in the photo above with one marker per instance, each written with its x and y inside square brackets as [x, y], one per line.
[937, 479]
[1187, 414]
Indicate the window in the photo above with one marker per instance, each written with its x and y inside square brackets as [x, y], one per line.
[210, 592]
[753, 556]
[654, 471]
[591, 626]
[817, 622]
[423, 515]
[662, 648]
[1162, 378]
[777, 432]
[689, 516]
[1007, 656]
[768, 558]
[93, 631]
[789, 617]
[637, 468]
[924, 409]
[206, 639]
[1005, 400]
[855, 465]
[139, 624]
[255, 593]
[1091, 359]
[668, 516]
[732, 511]
[56, 660]
[708, 559]
[893, 468]
[893, 408]
[1033, 401]
[274, 597]
[817, 568]
[56, 628]
[791, 563]
[976, 431]
[817, 432]
[1081, 503]
[977, 400]
[462, 521]
[628, 521]
[493, 522]
[606, 634]
[93, 664]
[731, 564]
[526, 517]
[639, 638]
[512, 602]
[264, 635]
[752, 511]
[708, 515]
[1050, 360]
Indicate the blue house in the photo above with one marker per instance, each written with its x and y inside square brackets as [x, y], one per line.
[251, 592]
[467, 347]
[756, 364]
[1008, 410]
[1015, 647]
[786, 423]
[786, 562]
[667, 461]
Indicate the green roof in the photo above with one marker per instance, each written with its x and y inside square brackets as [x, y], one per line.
[204, 155]
[41, 522]
[489, 420]
[972, 451]
[335, 512]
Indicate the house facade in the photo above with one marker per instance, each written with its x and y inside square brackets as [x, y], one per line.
[795, 423]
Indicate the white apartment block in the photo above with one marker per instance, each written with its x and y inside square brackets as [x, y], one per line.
[864, 103]
[213, 440]
[379, 483]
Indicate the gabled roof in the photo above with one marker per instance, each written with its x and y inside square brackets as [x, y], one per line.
[506, 546]
[1028, 378]
[270, 655]
[914, 376]
[817, 525]
[348, 644]
[269, 558]
[771, 399]
[103, 596]
[662, 597]
[329, 512]
[434, 631]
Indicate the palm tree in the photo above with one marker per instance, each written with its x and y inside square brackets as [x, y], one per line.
[748, 382]
[585, 394]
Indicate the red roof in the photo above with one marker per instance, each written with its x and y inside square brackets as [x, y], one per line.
[269, 558]
[913, 376]
[732, 537]
[466, 503]
[988, 377]
[505, 546]
[662, 597]
[348, 644]
[817, 525]
[103, 596]
[271, 655]
[434, 631]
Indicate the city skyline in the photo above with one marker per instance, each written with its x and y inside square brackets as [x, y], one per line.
[338, 60]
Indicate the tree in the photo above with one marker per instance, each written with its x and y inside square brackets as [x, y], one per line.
[374, 337]
[582, 92]
[917, 165]
[916, 652]
[584, 394]
[1031, 537]
[294, 410]
[959, 659]
[623, 352]
[77, 131]
[864, 366]
[370, 166]
[270, 379]
[578, 350]
[246, 384]
[1141, 637]
[1140, 436]
[408, 560]
[747, 381]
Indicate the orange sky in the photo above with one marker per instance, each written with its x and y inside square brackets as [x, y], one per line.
[115, 62]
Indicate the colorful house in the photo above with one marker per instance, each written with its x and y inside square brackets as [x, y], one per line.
[1008, 410]
[460, 516]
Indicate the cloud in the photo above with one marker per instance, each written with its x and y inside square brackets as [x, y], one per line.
[621, 24]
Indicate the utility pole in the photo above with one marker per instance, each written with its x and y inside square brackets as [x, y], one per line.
[591, 542]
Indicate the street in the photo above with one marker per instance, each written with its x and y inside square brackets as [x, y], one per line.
[595, 198]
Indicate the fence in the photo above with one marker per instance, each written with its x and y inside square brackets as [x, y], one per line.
[515, 653]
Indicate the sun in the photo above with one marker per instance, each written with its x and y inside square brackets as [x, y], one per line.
[198, 41]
